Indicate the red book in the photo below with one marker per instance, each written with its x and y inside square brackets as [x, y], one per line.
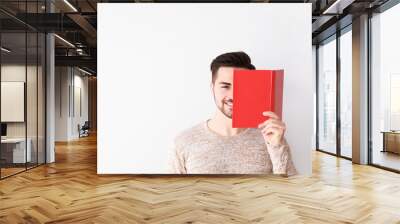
[256, 91]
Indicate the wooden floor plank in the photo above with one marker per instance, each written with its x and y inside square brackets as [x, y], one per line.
[70, 191]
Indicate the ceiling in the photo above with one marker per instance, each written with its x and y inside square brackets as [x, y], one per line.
[76, 22]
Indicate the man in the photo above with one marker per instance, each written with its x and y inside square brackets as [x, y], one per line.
[214, 147]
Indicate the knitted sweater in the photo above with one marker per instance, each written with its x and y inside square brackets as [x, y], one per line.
[199, 150]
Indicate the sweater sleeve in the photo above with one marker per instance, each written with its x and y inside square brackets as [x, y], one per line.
[176, 161]
[281, 159]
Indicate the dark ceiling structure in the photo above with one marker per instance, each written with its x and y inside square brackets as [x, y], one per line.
[75, 21]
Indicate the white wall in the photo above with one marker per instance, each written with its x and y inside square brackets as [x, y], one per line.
[17, 73]
[154, 78]
[68, 81]
[61, 103]
[80, 83]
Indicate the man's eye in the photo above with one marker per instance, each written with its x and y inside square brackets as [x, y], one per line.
[225, 87]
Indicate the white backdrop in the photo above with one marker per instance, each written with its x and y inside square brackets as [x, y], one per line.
[154, 74]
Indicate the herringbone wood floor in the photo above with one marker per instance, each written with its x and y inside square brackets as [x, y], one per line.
[70, 191]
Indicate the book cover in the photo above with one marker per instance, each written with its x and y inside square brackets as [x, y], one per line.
[256, 91]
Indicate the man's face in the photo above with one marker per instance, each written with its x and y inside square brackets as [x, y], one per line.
[223, 90]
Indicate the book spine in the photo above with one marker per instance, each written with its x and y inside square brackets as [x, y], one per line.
[278, 92]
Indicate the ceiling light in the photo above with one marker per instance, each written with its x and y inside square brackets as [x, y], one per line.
[64, 40]
[70, 5]
[84, 71]
[5, 50]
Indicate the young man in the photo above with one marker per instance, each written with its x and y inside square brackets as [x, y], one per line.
[214, 147]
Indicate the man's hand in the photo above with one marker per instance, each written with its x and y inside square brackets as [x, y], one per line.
[272, 129]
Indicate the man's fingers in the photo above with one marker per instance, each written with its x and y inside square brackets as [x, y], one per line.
[271, 114]
[273, 126]
[271, 121]
[272, 118]
[270, 130]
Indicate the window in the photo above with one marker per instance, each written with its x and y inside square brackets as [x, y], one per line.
[385, 89]
[346, 93]
[327, 96]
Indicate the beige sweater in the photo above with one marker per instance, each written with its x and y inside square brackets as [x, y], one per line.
[199, 150]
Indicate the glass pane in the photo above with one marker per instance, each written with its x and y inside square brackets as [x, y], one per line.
[22, 88]
[31, 101]
[327, 97]
[346, 94]
[13, 88]
[386, 89]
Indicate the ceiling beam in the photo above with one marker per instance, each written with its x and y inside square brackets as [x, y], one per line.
[85, 61]
[337, 6]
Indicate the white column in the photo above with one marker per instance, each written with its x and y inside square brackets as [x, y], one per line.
[50, 110]
[360, 90]
[50, 93]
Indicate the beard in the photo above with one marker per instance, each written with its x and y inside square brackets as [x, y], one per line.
[226, 108]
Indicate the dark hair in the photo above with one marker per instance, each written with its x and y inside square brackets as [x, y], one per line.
[232, 59]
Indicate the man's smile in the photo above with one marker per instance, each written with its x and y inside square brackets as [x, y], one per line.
[229, 103]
